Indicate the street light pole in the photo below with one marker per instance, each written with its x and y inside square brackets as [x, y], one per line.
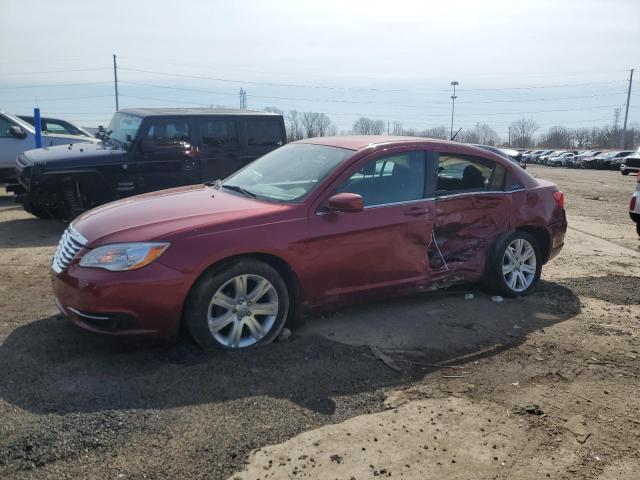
[453, 106]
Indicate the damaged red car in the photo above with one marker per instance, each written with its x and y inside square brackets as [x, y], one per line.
[315, 224]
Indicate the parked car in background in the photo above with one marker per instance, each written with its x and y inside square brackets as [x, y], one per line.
[592, 162]
[56, 125]
[631, 163]
[561, 160]
[513, 155]
[144, 150]
[531, 156]
[634, 206]
[16, 136]
[316, 224]
[611, 160]
[578, 163]
[545, 159]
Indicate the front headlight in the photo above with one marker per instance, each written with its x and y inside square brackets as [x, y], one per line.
[123, 256]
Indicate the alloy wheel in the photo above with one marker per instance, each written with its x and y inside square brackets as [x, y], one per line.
[519, 265]
[242, 311]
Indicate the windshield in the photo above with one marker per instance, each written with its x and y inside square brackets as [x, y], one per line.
[288, 173]
[123, 125]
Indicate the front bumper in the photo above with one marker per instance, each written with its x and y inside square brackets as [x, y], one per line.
[627, 168]
[147, 301]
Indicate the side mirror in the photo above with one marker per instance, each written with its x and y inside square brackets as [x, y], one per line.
[345, 202]
[17, 132]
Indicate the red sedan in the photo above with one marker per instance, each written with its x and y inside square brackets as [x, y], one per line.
[314, 224]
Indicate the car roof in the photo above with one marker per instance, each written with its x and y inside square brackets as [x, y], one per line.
[147, 112]
[360, 142]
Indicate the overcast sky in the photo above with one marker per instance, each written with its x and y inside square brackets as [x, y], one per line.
[392, 60]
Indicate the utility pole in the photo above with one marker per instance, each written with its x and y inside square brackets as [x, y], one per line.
[453, 106]
[115, 79]
[626, 113]
[243, 99]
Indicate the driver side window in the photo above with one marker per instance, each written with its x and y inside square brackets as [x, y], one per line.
[391, 179]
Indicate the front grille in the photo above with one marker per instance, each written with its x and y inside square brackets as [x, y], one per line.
[632, 162]
[70, 244]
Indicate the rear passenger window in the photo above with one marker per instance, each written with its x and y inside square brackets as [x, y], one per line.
[461, 173]
[220, 133]
[392, 179]
[264, 133]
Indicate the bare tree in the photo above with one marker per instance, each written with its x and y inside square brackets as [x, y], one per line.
[582, 136]
[436, 132]
[557, 137]
[274, 110]
[317, 125]
[294, 126]
[522, 132]
[366, 126]
[397, 128]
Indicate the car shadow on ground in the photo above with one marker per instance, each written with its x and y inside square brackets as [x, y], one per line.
[50, 366]
[30, 232]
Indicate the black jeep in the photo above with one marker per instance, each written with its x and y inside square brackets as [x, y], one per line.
[143, 150]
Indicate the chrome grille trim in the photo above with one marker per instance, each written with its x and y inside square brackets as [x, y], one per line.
[70, 244]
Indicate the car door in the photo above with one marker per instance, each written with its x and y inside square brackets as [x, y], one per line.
[11, 146]
[167, 154]
[220, 150]
[471, 211]
[383, 247]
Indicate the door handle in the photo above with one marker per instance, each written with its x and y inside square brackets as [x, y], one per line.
[416, 211]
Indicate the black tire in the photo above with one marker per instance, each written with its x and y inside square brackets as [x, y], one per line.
[624, 172]
[199, 302]
[36, 210]
[495, 276]
[638, 229]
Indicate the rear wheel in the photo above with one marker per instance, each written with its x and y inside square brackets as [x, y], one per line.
[237, 306]
[638, 229]
[517, 265]
[624, 172]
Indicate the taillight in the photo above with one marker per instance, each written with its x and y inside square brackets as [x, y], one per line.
[558, 196]
[632, 205]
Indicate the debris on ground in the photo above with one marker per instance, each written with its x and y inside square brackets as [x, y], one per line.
[578, 426]
[497, 299]
[469, 296]
[386, 359]
[285, 334]
[532, 409]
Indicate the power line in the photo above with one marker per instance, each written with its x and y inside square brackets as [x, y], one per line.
[53, 85]
[56, 71]
[54, 99]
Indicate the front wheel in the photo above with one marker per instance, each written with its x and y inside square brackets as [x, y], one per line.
[237, 306]
[638, 229]
[624, 172]
[517, 265]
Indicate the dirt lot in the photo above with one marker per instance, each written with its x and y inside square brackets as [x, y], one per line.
[543, 387]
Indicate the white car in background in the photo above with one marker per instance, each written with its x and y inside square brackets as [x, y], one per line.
[16, 136]
[634, 206]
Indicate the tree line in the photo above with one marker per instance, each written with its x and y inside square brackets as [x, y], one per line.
[523, 133]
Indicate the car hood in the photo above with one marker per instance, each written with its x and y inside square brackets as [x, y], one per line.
[73, 155]
[166, 214]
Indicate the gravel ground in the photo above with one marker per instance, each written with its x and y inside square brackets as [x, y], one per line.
[321, 405]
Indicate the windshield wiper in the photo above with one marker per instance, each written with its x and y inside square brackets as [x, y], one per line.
[238, 189]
